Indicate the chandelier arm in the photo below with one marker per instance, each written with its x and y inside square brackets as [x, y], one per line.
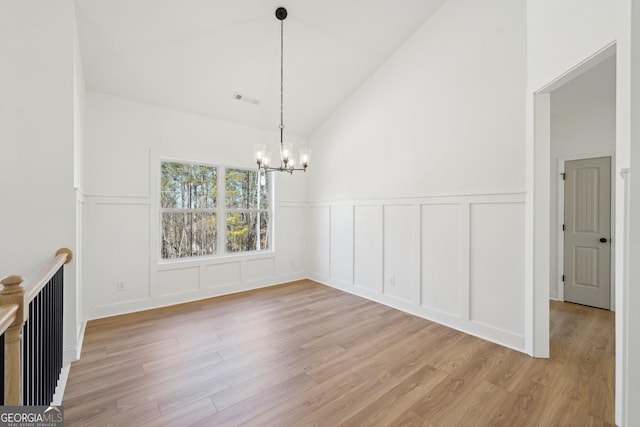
[282, 169]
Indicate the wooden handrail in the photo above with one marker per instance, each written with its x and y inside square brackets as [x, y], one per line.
[35, 285]
[7, 316]
[15, 298]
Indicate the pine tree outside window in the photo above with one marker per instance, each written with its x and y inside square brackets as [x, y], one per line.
[213, 210]
[248, 210]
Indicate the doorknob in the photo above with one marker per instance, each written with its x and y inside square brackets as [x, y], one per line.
[603, 240]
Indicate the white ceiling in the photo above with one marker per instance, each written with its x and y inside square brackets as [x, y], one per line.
[192, 55]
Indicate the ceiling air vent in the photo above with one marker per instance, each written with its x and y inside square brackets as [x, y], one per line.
[240, 97]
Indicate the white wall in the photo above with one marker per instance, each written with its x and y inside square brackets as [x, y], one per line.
[37, 134]
[38, 205]
[563, 33]
[125, 141]
[583, 125]
[632, 298]
[447, 105]
[417, 189]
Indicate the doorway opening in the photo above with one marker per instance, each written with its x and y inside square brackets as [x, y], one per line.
[582, 129]
[573, 118]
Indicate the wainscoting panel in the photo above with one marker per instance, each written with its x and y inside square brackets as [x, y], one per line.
[497, 265]
[341, 252]
[457, 260]
[260, 269]
[116, 248]
[291, 239]
[223, 274]
[400, 255]
[121, 242]
[319, 240]
[442, 257]
[178, 281]
[368, 248]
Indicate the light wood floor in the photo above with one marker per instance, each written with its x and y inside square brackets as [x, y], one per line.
[305, 354]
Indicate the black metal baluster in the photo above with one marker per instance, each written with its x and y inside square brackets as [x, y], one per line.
[37, 349]
[43, 353]
[26, 359]
[39, 352]
[49, 389]
[60, 321]
[42, 344]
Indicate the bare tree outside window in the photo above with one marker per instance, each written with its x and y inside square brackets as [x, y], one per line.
[188, 205]
[190, 210]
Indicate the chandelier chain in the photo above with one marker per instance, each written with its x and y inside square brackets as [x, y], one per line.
[281, 78]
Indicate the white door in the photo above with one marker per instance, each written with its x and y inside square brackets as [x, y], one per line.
[587, 232]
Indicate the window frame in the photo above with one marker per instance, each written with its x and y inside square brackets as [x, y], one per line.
[220, 210]
[268, 210]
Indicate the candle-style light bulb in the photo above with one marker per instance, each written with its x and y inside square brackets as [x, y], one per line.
[305, 156]
[259, 152]
[287, 150]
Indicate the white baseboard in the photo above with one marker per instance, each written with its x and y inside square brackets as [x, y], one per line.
[62, 384]
[482, 331]
[70, 355]
[100, 312]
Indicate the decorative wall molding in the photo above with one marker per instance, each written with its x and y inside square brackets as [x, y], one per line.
[436, 198]
[451, 259]
[421, 265]
[113, 200]
[151, 282]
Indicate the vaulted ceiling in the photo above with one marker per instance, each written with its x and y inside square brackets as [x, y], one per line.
[193, 55]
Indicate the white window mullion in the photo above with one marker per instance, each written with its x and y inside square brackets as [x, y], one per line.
[258, 182]
[221, 212]
[271, 213]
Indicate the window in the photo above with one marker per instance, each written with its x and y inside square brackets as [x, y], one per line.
[188, 206]
[190, 210]
[247, 203]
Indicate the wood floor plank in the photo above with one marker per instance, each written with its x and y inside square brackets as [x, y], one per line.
[305, 354]
[481, 409]
[342, 406]
[185, 415]
[410, 419]
[385, 409]
[360, 354]
[510, 368]
[263, 401]
[101, 379]
[439, 402]
[291, 364]
[303, 405]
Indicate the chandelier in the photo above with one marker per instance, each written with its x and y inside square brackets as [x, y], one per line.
[288, 161]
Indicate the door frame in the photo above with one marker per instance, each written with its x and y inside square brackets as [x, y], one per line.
[538, 199]
[560, 240]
